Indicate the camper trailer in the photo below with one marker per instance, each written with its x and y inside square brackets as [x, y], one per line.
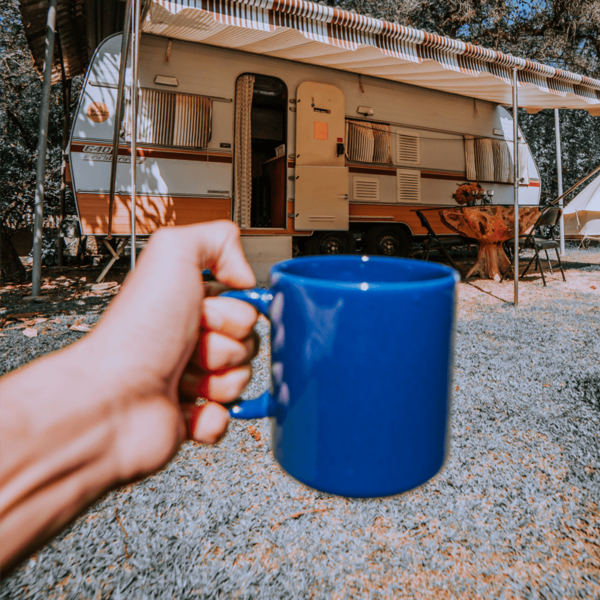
[302, 157]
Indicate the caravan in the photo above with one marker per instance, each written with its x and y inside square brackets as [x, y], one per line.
[303, 157]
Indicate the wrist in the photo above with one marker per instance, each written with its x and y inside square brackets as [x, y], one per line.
[53, 401]
[58, 437]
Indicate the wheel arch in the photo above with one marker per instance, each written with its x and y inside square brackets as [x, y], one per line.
[365, 225]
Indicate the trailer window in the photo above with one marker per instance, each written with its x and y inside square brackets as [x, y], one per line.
[491, 160]
[368, 142]
[171, 119]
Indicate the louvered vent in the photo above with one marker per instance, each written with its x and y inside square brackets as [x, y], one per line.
[408, 147]
[409, 185]
[168, 119]
[365, 189]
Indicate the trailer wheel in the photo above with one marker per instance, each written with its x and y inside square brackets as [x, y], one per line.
[332, 242]
[387, 240]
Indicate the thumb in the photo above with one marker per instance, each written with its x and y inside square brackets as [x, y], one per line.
[206, 423]
[218, 247]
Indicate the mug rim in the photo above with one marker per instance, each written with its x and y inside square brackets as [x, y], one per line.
[445, 274]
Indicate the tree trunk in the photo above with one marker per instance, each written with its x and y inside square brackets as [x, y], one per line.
[491, 262]
[11, 267]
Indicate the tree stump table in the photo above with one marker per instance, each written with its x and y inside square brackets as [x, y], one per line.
[491, 226]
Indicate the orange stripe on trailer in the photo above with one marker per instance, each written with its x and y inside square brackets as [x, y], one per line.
[443, 175]
[391, 171]
[152, 212]
[389, 213]
[373, 170]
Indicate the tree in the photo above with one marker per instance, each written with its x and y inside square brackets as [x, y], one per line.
[20, 96]
[562, 33]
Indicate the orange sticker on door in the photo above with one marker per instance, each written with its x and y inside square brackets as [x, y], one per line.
[321, 131]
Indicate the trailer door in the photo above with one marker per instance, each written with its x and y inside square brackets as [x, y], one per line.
[321, 195]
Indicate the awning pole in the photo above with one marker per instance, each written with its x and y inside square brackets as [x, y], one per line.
[135, 46]
[38, 226]
[118, 113]
[516, 178]
[560, 182]
[66, 98]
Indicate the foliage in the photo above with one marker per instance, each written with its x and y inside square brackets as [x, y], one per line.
[580, 147]
[20, 96]
[559, 32]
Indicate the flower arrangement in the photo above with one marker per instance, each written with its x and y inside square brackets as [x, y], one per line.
[467, 193]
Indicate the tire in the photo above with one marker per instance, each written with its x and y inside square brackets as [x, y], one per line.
[331, 242]
[386, 240]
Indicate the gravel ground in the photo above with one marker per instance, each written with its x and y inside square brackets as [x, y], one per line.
[513, 514]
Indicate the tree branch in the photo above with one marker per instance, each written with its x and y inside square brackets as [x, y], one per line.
[24, 133]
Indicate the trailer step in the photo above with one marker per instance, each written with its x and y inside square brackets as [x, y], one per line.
[263, 251]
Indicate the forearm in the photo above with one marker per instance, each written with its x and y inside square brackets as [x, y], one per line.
[57, 437]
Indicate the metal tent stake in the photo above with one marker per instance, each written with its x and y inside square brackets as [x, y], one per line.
[135, 46]
[516, 177]
[560, 183]
[38, 227]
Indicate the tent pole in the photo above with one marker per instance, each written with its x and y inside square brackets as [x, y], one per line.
[574, 187]
[135, 46]
[118, 111]
[560, 182]
[41, 150]
[516, 178]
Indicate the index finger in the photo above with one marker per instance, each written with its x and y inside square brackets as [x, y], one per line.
[228, 316]
[219, 249]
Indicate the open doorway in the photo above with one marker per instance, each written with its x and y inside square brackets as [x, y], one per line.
[260, 151]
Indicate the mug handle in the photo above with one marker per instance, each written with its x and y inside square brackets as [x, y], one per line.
[263, 406]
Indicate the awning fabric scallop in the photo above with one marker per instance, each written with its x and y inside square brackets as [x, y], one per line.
[321, 35]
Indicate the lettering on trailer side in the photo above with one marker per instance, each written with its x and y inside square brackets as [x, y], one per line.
[104, 154]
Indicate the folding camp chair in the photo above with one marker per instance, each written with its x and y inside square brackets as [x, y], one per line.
[545, 223]
[442, 243]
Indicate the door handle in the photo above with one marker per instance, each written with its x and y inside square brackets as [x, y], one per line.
[344, 196]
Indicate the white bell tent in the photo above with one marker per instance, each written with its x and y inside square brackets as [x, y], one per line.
[582, 215]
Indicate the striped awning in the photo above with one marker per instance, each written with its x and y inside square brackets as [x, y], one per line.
[321, 35]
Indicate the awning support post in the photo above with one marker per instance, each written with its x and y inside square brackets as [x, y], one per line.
[41, 157]
[559, 178]
[66, 98]
[66, 90]
[118, 114]
[135, 47]
[516, 178]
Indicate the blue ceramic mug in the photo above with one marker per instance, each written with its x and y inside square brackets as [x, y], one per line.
[361, 365]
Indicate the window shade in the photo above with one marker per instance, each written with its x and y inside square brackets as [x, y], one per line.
[368, 142]
[492, 160]
[168, 119]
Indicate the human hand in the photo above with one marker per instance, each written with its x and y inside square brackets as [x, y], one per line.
[165, 341]
[116, 405]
